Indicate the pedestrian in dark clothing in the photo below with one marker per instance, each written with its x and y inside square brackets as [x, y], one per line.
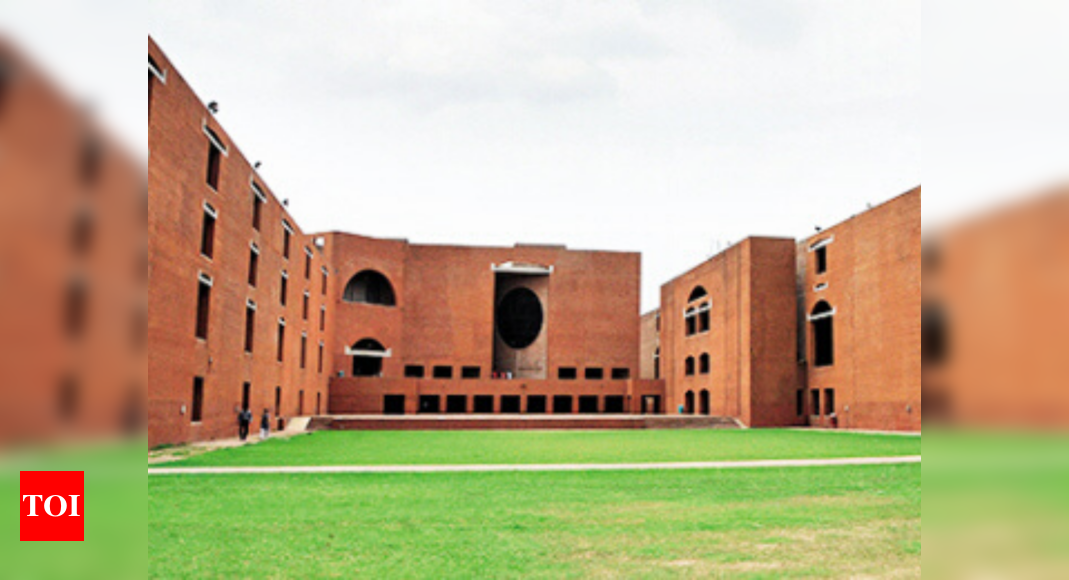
[244, 420]
[265, 425]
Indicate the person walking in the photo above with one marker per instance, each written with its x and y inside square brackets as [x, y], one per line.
[265, 425]
[244, 419]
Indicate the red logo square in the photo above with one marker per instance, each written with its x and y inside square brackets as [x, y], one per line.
[53, 506]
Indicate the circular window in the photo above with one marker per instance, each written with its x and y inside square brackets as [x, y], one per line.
[519, 318]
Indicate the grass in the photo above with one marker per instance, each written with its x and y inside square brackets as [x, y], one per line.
[771, 523]
[535, 447]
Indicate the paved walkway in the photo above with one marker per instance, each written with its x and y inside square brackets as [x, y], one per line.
[763, 463]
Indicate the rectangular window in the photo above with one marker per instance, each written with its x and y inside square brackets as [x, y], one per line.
[588, 404]
[562, 404]
[470, 372]
[323, 289]
[821, 255]
[207, 232]
[483, 404]
[250, 324]
[829, 401]
[567, 373]
[278, 401]
[536, 403]
[196, 414]
[510, 403]
[307, 264]
[393, 405]
[284, 288]
[430, 404]
[456, 404]
[300, 403]
[304, 307]
[246, 395]
[621, 374]
[304, 351]
[594, 373]
[799, 403]
[287, 233]
[443, 372]
[814, 407]
[259, 199]
[703, 320]
[204, 304]
[215, 161]
[320, 363]
[322, 318]
[414, 372]
[614, 404]
[281, 339]
[254, 265]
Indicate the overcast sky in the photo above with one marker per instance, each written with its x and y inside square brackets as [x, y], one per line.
[669, 128]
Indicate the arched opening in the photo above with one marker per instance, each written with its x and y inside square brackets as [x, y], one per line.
[688, 403]
[367, 358]
[690, 366]
[822, 319]
[369, 287]
[697, 293]
[703, 402]
[703, 364]
[520, 318]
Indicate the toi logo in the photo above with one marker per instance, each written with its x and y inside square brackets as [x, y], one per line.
[53, 506]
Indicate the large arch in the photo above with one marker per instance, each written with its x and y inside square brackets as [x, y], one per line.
[821, 318]
[367, 358]
[370, 287]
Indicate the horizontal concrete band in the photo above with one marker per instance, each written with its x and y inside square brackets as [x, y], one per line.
[762, 463]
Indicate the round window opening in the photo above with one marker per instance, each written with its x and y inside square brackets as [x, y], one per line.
[519, 318]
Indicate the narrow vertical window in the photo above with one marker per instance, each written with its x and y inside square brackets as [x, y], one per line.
[204, 304]
[196, 414]
[322, 318]
[258, 201]
[287, 233]
[323, 289]
[207, 232]
[254, 264]
[821, 255]
[216, 150]
[307, 264]
[250, 324]
[829, 401]
[278, 401]
[814, 407]
[305, 306]
[281, 339]
[284, 288]
[304, 350]
[320, 361]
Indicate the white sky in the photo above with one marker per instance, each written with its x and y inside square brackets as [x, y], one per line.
[668, 128]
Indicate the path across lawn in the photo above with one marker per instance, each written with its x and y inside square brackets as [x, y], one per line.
[773, 463]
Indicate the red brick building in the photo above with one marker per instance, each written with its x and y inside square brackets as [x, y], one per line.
[825, 332]
[248, 311]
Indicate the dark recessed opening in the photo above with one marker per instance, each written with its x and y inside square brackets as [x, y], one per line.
[393, 405]
[588, 404]
[368, 361]
[519, 318]
[621, 374]
[703, 402]
[814, 404]
[799, 402]
[821, 255]
[470, 372]
[536, 404]
[370, 287]
[614, 404]
[442, 372]
[207, 234]
[567, 373]
[204, 303]
[823, 335]
[703, 364]
[456, 404]
[594, 373]
[934, 343]
[197, 410]
[483, 403]
[562, 404]
[689, 366]
[429, 404]
[829, 401]
[246, 396]
[414, 372]
[510, 403]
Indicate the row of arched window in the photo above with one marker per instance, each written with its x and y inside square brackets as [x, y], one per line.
[697, 316]
[703, 403]
[702, 366]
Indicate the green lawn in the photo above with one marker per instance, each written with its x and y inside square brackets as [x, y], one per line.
[534, 447]
[758, 523]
